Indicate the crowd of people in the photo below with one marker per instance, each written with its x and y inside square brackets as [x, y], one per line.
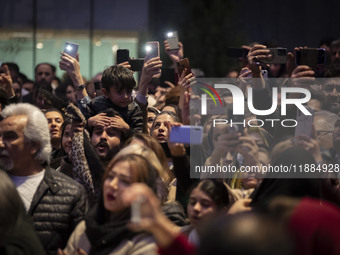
[88, 166]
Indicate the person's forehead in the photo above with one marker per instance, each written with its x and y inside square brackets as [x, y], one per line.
[53, 114]
[44, 68]
[13, 123]
[164, 117]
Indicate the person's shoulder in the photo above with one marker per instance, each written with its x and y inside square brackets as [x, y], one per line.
[143, 243]
[63, 180]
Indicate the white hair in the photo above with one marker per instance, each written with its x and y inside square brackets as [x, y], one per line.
[36, 129]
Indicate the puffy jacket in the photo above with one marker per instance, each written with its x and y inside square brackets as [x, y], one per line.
[58, 205]
[131, 114]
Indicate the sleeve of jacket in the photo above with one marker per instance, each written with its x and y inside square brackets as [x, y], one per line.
[85, 107]
[136, 119]
[80, 207]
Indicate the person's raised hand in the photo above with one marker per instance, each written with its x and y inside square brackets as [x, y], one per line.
[176, 149]
[255, 56]
[125, 64]
[6, 81]
[150, 68]
[241, 205]
[72, 67]
[174, 55]
[99, 120]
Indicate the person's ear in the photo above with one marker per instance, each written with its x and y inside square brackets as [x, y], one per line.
[105, 92]
[35, 146]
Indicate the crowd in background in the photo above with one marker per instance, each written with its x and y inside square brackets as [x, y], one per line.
[89, 167]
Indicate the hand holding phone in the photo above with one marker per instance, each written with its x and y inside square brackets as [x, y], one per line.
[182, 65]
[152, 50]
[71, 49]
[277, 56]
[172, 39]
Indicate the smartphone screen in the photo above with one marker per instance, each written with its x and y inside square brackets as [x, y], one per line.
[186, 134]
[71, 49]
[172, 39]
[311, 57]
[122, 56]
[152, 50]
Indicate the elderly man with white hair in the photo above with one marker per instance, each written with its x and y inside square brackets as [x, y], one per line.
[55, 202]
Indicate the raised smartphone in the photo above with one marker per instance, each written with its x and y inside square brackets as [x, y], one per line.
[152, 50]
[172, 39]
[186, 134]
[123, 55]
[71, 49]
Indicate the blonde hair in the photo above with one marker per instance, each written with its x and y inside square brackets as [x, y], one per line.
[140, 168]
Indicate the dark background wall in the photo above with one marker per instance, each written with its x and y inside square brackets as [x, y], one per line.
[206, 27]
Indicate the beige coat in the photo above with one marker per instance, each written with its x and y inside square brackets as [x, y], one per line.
[140, 244]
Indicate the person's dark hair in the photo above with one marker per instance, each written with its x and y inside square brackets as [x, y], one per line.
[327, 40]
[52, 67]
[335, 44]
[216, 190]
[118, 77]
[176, 108]
[11, 205]
[3, 98]
[153, 109]
[172, 115]
[53, 110]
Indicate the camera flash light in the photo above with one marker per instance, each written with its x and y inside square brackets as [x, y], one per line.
[69, 47]
[148, 48]
[170, 34]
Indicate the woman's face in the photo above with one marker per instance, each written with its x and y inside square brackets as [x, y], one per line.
[200, 205]
[67, 139]
[151, 117]
[118, 179]
[160, 129]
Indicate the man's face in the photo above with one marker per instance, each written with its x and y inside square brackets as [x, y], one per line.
[55, 120]
[15, 153]
[120, 98]
[331, 89]
[43, 75]
[106, 141]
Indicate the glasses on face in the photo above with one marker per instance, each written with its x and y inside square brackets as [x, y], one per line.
[323, 132]
[330, 88]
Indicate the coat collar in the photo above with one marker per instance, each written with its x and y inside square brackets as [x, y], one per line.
[47, 183]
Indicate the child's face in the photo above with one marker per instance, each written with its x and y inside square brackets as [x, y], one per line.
[120, 98]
